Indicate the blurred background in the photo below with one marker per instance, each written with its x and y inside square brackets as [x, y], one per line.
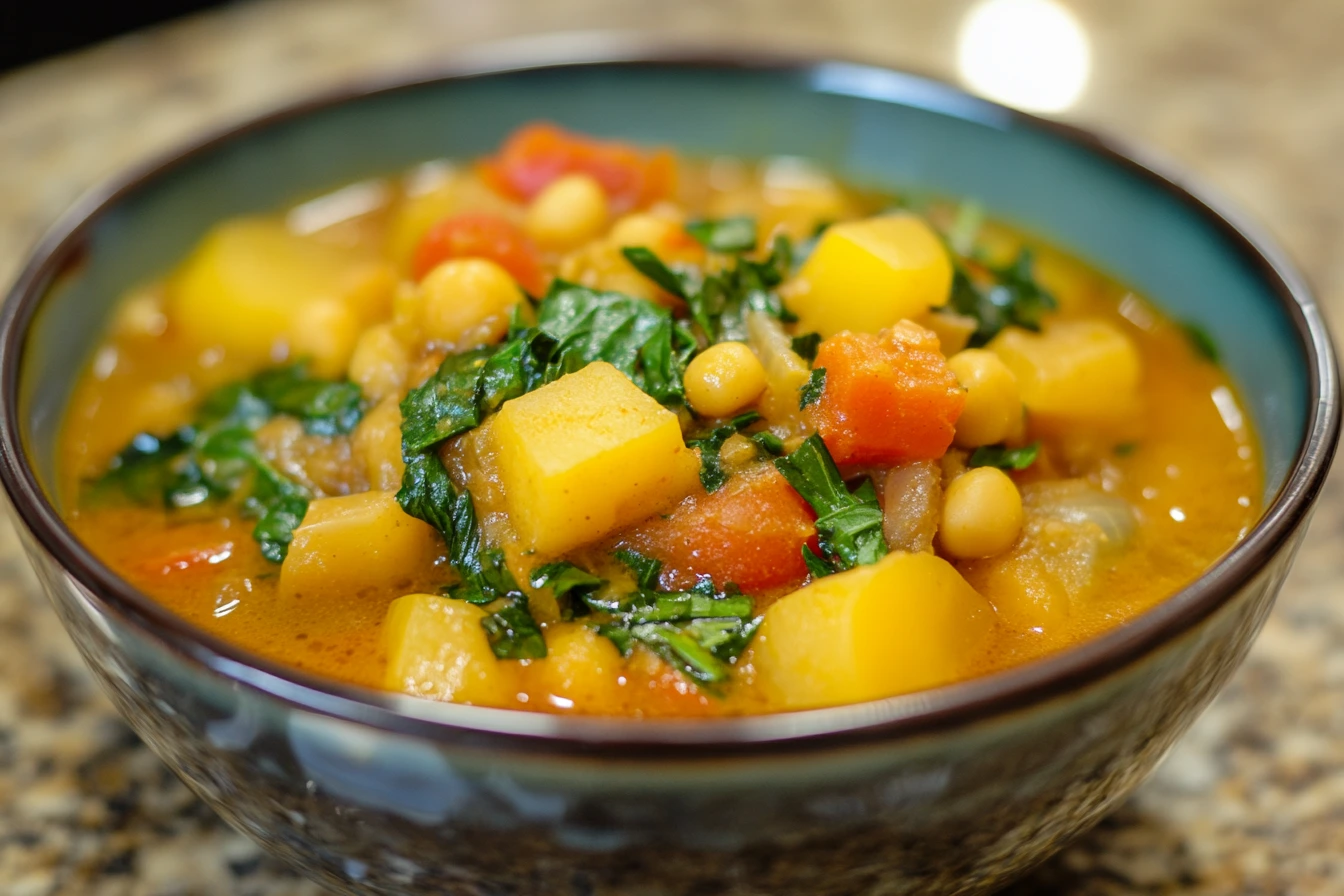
[33, 31]
[1246, 95]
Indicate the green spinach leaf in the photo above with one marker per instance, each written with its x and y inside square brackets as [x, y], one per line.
[712, 474]
[849, 525]
[1004, 458]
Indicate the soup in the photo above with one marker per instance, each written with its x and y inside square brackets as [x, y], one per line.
[586, 427]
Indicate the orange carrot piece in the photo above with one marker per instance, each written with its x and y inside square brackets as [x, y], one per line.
[889, 397]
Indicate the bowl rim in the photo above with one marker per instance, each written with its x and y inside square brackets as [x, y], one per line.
[958, 704]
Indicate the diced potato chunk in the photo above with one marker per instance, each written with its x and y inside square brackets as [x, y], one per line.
[903, 624]
[1074, 370]
[436, 648]
[866, 275]
[353, 543]
[252, 284]
[582, 671]
[586, 455]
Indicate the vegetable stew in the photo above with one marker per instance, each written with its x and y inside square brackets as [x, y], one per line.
[590, 427]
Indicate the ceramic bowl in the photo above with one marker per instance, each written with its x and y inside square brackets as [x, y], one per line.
[956, 790]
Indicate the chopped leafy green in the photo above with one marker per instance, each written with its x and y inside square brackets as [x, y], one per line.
[712, 474]
[427, 493]
[812, 390]
[1004, 458]
[998, 297]
[569, 584]
[700, 632]
[637, 337]
[326, 407]
[680, 284]
[768, 442]
[646, 569]
[730, 235]
[849, 525]
[719, 303]
[563, 577]
[217, 458]
[1125, 449]
[575, 327]
[805, 346]
[512, 631]
[1201, 341]
[144, 471]
[699, 635]
[447, 403]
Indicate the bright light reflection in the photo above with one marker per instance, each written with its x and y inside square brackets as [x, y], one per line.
[1032, 54]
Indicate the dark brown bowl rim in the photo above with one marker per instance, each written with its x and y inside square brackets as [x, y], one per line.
[963, 703]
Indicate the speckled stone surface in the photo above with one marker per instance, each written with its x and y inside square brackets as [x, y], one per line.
[1248, 95]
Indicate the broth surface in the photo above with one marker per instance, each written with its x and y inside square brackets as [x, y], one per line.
[1187, 461]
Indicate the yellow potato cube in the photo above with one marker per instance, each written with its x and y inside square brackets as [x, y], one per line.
[866, 275]
[1072, 371]
[581, 672]
[251, 285]
[356, 543]
[436, 648]
[587, 454]
[905, 623]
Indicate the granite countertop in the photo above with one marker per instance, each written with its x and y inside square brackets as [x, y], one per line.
[1247, 94]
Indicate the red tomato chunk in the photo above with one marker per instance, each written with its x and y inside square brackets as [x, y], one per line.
[750, 532]
[537, 154]
[480, 235]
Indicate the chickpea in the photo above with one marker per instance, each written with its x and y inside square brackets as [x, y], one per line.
[325, 332]
[379, 363]
[570, 211]
[377, 444]
[643, 230]
[465, 302]
[724, 378]
[982, 514]
[993, 408]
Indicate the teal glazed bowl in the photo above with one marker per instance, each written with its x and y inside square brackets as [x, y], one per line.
[955, 790]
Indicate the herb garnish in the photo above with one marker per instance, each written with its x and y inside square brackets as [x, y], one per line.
[805, 346]
[427, 493]
[1004, 458]
[719, 302]
[849, 524]
[1201, 341]
[216, 456]
[998, 297]
[811, 391]
[1125, 449]
[728, 235]
[646, 569]
[712, 474]
[700, 632]
[768, 442]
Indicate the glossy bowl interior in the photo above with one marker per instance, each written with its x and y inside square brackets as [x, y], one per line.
[872, 126]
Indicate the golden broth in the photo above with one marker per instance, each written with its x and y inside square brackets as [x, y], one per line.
[1188, 464]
